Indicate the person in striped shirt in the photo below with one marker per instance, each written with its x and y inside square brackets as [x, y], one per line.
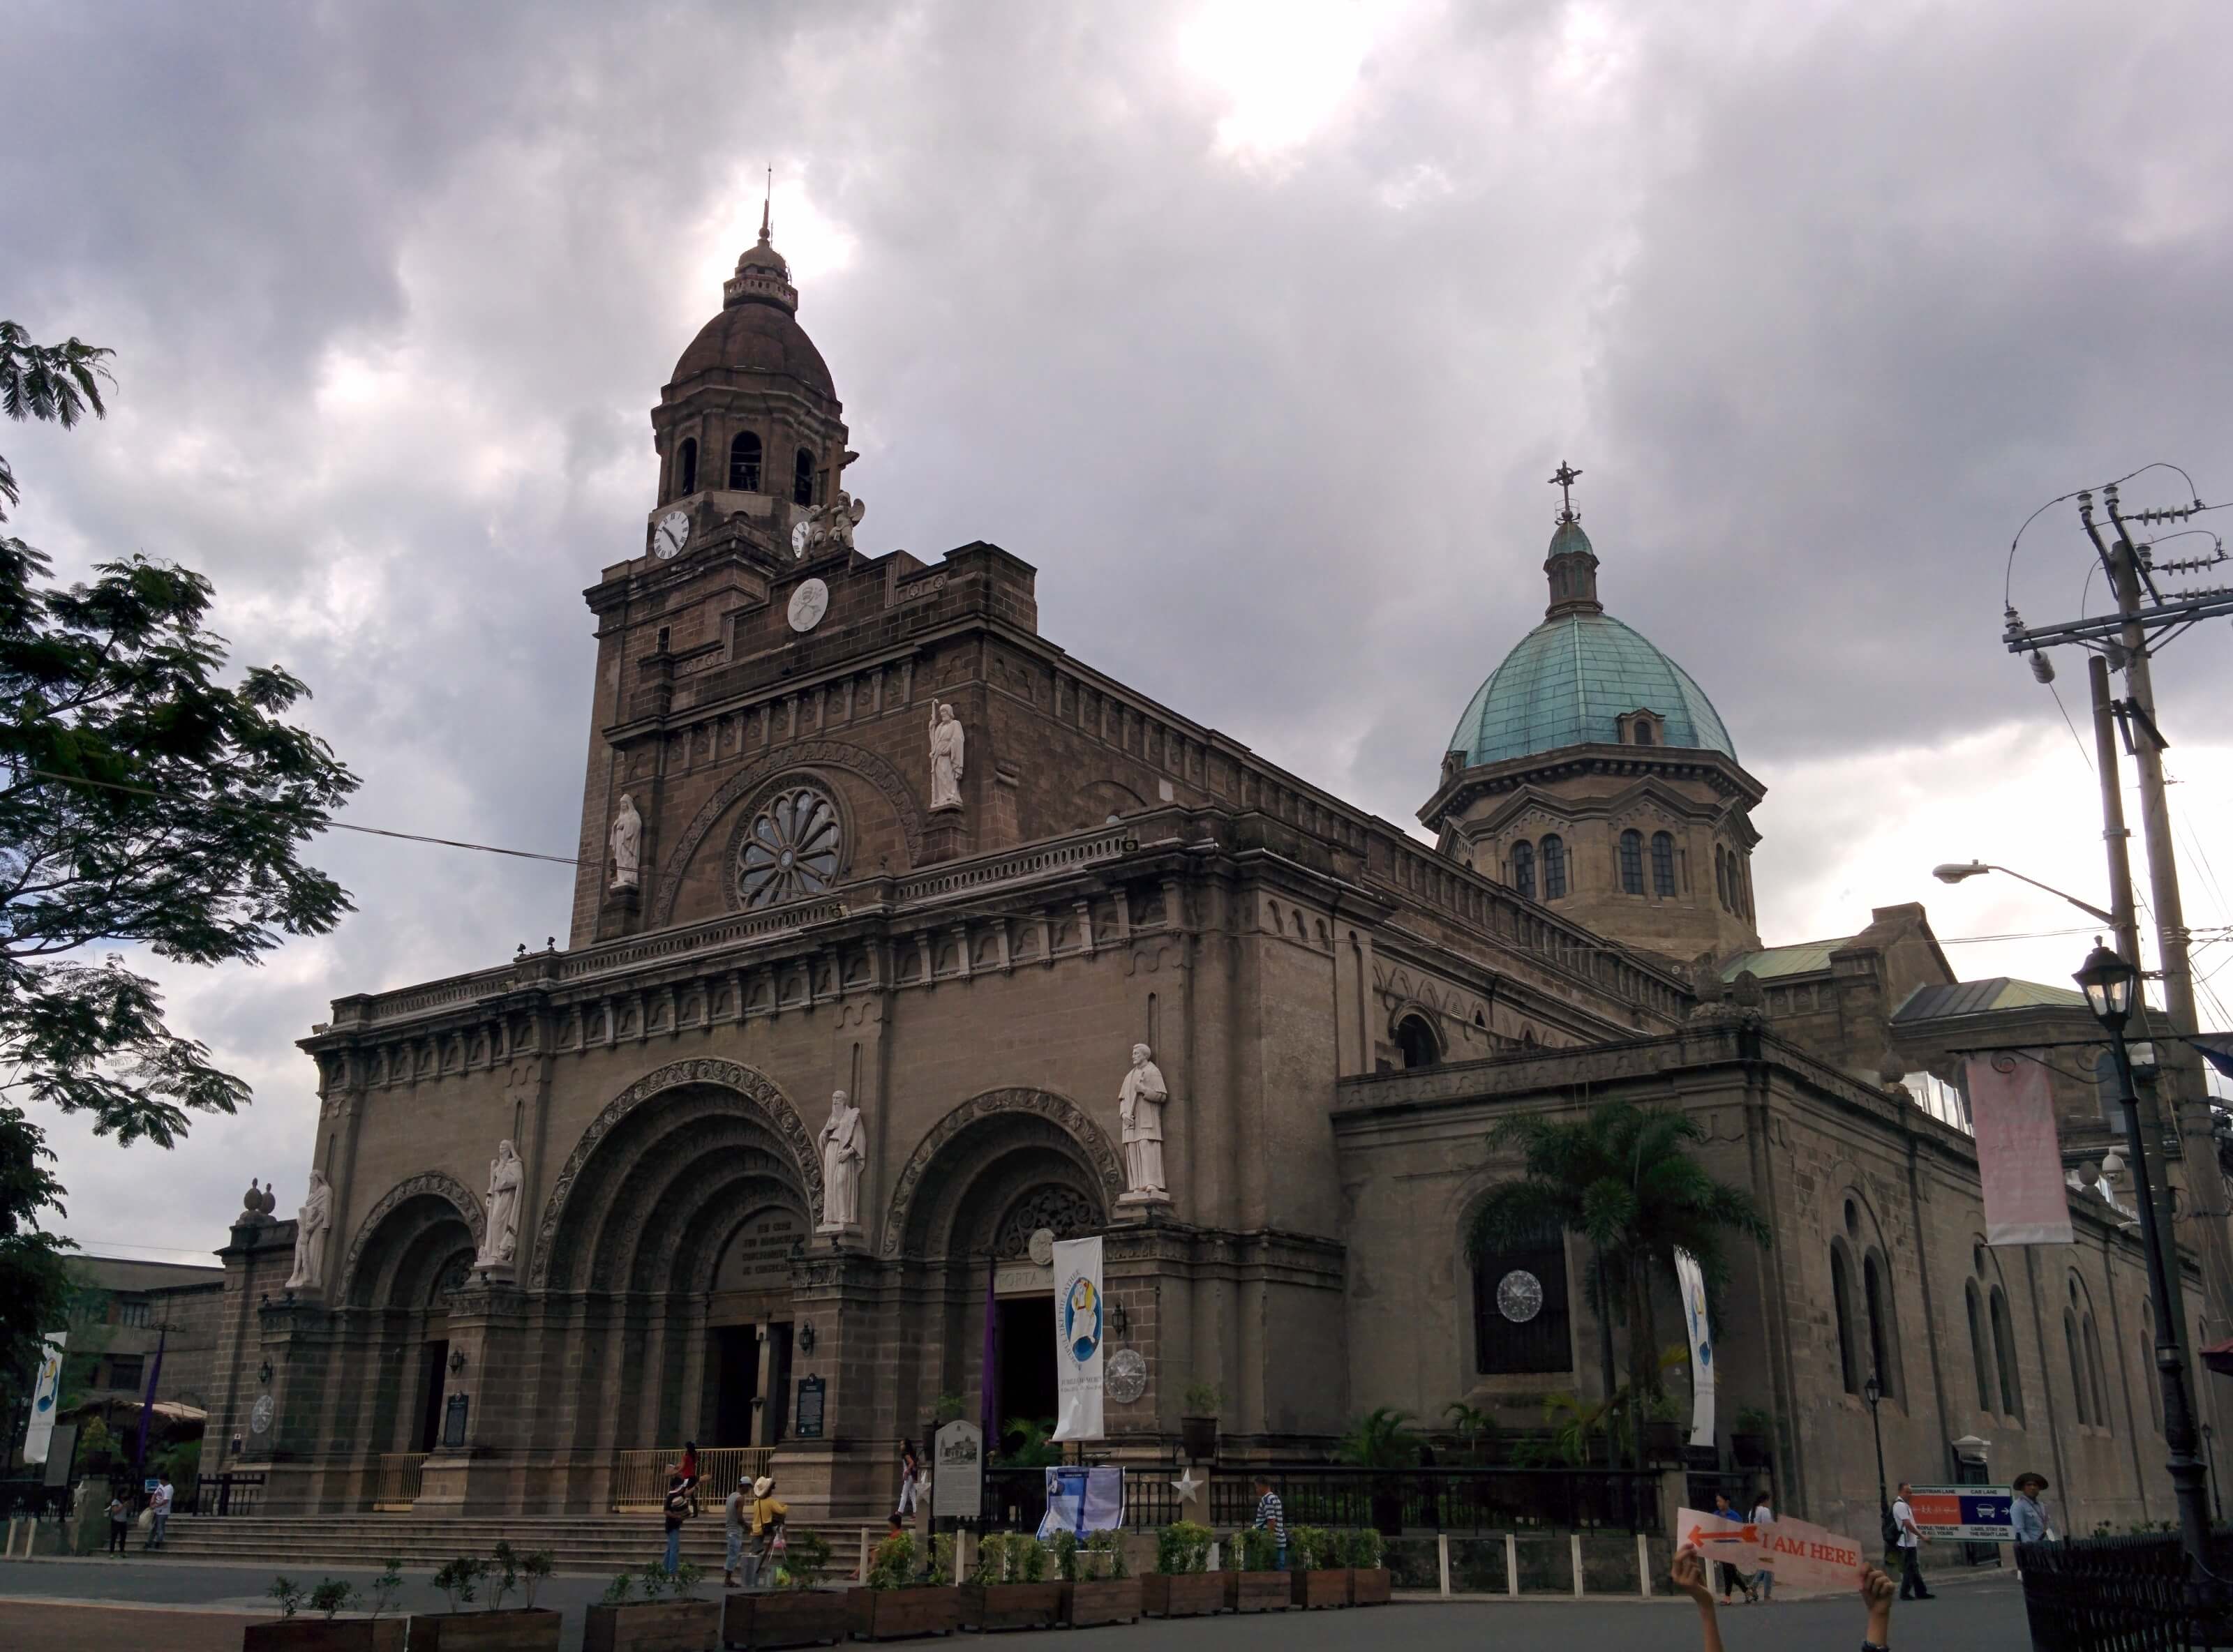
[1272, 1516]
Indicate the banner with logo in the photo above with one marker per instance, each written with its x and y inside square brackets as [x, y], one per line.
[1692, 1281]
[44, 1398]
[1807, 1559]
[2019, 1159]
[1078, 1333]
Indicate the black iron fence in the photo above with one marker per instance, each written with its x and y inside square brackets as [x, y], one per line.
[1392, 1501]
[233, 1492]
[2135, 1593]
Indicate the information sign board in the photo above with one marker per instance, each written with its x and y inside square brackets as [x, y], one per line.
[1973, 1513]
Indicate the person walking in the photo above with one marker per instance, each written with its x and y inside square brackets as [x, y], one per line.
[678, 1511]
[1732, 1577]
[911, 1479]
[1763, 1517]
[1272, 1516]
[1912, 1539]
[162, 1505]
[2026, 1515]
[769, 1514]
[120, 1523]
[735, 1514]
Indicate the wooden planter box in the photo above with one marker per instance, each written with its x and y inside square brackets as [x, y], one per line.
[654, 1626]
[325, 1634]
[1011, 1606]
[788, 1617]
[1314, 1589]
[1371, 1588]
[1185, 1594]
[1253, 1591]
[535, 1631]
[1102, 1600]
[890, 1614]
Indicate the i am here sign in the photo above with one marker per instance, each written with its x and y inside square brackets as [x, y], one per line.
[1807, 1559]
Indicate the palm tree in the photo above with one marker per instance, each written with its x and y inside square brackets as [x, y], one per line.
[1623, 1178]
[1382, 1438]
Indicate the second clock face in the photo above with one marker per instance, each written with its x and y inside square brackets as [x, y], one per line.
[1520, 1296]
[808, 604]
[672, 533]
[802, 535]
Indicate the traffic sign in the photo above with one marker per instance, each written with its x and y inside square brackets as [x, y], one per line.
[1973, 1513]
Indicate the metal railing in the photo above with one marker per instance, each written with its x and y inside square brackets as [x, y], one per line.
[233, 1492]
[397, 1487]
[639, 1477]
[1390, 1500]
[2135, 1593]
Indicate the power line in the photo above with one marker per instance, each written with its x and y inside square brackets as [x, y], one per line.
[336, 825]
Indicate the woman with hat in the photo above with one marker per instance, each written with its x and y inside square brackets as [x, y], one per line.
[769, 1512]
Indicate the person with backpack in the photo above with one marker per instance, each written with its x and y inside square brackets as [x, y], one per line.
[1912, 1539]
[679, 1509]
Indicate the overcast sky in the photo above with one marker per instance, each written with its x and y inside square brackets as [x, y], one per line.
[1255, 327]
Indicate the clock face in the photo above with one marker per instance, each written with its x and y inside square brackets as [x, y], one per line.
[802, 535]
[1126, 1378]
[808, 604]
[674, 531]
[1520, 1296]
[259, 1419]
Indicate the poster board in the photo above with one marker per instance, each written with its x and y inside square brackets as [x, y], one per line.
[957, 1480]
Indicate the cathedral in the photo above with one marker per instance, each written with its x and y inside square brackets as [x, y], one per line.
[902, 938]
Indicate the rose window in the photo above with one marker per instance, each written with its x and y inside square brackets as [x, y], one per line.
[790, 849]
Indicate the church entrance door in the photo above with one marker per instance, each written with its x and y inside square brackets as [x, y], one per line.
[1026, 1359]
[736, 1364]
[434, 1372]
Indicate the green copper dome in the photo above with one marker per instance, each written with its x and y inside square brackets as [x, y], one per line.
[1572, 676]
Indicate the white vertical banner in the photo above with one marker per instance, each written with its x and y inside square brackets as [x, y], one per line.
[44, 1399]
[1078, 1338]
[1693, 1282]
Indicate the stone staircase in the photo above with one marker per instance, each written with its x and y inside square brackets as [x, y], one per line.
[600, 1543]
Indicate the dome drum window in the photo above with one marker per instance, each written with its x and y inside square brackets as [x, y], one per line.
[1631, 863]
[791, 849]
[744, 462]
[1641, 728]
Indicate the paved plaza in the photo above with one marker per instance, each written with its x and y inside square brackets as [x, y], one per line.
[112, 1602]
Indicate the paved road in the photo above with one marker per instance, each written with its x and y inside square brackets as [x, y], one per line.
[1973, 1616]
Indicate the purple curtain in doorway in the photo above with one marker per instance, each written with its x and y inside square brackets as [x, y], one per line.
[988, 1381]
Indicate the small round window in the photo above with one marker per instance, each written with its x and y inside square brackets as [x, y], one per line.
[791, 849]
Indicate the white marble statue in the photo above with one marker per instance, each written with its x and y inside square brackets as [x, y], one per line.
[627, 841]
[844, 1151]
[845, 514]
[1140, 1104]
[311, 1225]
[945, 744]
[501, 1242]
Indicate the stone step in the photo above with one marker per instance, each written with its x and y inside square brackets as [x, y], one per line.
[576, 1543]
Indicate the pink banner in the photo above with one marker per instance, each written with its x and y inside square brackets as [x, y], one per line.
[2019, 1158]
[1805, 1558]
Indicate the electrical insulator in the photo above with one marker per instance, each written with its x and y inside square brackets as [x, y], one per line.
[2042, 667]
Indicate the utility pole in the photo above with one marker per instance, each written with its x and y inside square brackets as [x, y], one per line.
[2179, 1063]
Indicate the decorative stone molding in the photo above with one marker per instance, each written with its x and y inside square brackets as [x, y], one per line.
[752, 1087]
[1058, 1110]
[427, 1182]
[801, 755]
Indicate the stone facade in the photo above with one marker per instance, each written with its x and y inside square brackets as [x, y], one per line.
[1339, 1013]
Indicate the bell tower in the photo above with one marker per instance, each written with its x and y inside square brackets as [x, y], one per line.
[750, 423]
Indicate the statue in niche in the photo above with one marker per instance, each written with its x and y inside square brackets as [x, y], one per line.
[844, 1151]
[311, 1223]
[501, 1242]
[1140, 1105]
[627, 841]
[945, 746]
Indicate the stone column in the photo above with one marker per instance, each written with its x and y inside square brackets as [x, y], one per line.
[477, 1475]
[842, 1475]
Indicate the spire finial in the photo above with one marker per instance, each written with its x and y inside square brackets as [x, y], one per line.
[767, 208]
[1563, 480]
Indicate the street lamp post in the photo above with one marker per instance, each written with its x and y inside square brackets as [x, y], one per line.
[1872, 1391]
[2108, 981]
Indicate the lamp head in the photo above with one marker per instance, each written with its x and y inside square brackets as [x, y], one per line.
[2107, 981]
[1872, 1391]
[1954, 871]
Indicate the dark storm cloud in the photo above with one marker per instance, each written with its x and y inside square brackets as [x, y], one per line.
[1265, 381]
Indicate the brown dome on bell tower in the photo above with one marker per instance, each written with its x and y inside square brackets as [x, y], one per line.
[751, 420]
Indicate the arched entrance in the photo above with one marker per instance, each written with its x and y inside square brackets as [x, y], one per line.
[994, 1172]
[412, 1254]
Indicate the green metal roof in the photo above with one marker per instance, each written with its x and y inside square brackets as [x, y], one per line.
[1566, 682]
[1808, 958]
[1982, 998]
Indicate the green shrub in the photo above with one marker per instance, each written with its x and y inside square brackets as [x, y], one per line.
[1182, 1547]
[386, 1587]
[1204, 1399]
[1011, 1557]
[687, 1576]
[287, 1592]
[332, 1596]
[1364, 1549]
[459, 1580]
[891, 1564]
[1310, 1548]
[806, 1557]
[1260, 1550]
[504, 1573]
[617, 1591]
[1105, 1552]
[1065, 1555]
[941, 1560]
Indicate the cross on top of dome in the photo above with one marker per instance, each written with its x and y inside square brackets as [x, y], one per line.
[1564, 478]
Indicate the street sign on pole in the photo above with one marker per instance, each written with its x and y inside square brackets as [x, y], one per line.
[1972, 1513]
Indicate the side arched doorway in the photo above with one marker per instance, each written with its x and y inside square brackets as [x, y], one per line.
[412, 1255]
